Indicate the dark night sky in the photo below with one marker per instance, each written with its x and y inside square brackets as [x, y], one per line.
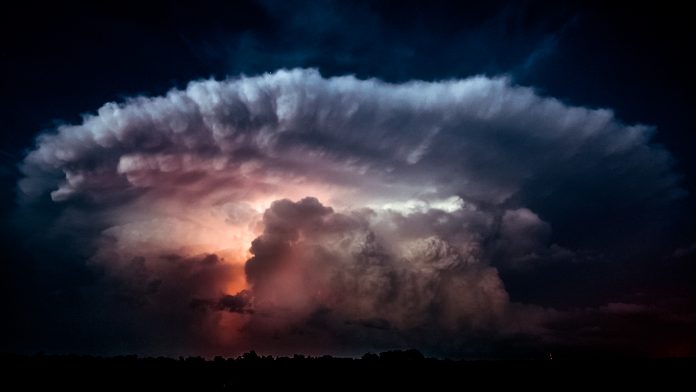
[628, 289]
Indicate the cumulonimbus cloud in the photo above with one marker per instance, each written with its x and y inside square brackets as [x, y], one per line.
[362, 211]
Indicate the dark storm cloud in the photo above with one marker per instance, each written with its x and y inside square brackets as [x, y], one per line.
[505, 143]
[620, 329]
[282, 225]
[420, 193]
[327, 273]
[238, 303]
[304, 34]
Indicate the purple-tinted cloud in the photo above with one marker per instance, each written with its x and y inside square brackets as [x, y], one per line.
[294, 210]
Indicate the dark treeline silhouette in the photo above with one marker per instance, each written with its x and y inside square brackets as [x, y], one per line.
[405, 368]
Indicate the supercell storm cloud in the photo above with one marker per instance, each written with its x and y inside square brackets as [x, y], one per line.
[294, 212]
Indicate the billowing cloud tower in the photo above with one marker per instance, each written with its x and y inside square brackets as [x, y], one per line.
[291, 212]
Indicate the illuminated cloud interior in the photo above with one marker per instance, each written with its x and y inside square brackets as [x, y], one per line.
[290, 211]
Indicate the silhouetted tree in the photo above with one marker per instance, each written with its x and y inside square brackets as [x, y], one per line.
[370, 357]
[250, 356]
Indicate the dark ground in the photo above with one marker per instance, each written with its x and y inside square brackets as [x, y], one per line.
[403, 369]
